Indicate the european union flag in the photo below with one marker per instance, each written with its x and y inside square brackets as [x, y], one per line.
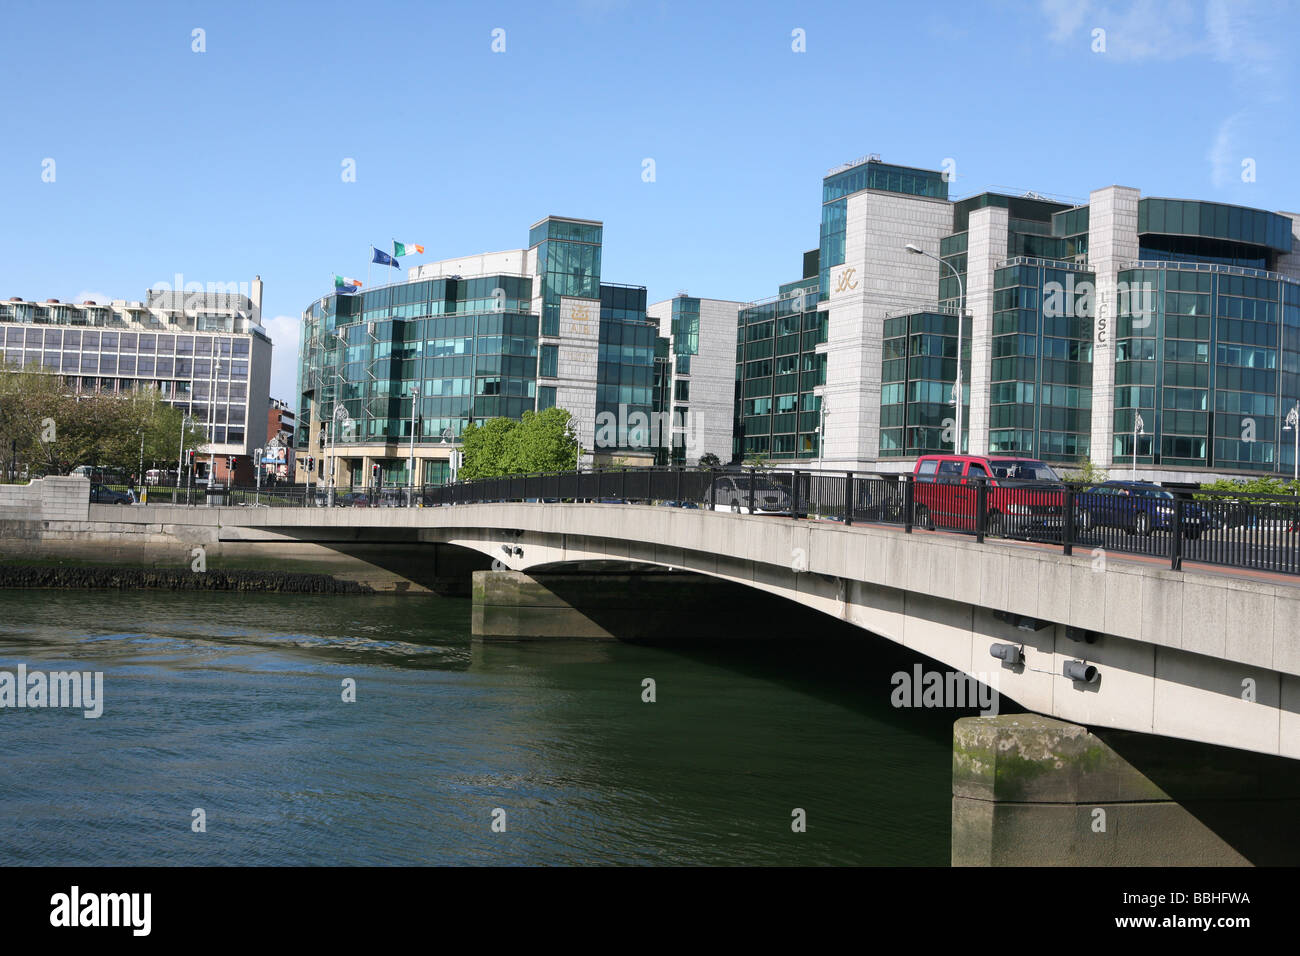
[383, 258]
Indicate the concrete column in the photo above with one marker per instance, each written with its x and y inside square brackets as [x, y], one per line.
[1112, 242]
[879, 277]
[1031, 790]
[986, 248]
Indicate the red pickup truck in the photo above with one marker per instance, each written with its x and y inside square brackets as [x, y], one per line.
[1024, 496]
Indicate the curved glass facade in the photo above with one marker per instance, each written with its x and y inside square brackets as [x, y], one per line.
[1209, 356]
[1209, 220]
[470, 350]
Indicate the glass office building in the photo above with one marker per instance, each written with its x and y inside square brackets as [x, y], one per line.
[780, 365]
[1080, 317]
[404, 368]
[1208, 340]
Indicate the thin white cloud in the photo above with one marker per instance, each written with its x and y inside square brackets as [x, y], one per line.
[1240, 34]
[1065, 16]
[102, 298]
[1225, 153]
[284, 331]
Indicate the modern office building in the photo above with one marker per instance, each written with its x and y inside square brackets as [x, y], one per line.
[780, 373]
[700, 369]
[404, 368]
[1080, 317]
[204, 351]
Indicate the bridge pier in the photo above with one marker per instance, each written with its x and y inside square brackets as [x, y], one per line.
[1029, 790]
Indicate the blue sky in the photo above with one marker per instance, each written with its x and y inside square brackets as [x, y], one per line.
[228, 163]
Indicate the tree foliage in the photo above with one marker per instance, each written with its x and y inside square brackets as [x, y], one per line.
[1262, 485]
[48, 430]
[539, 441]
[1087, 472]
[710, 460]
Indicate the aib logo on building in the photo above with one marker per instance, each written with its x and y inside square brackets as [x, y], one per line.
[845, 282]
[580, 314]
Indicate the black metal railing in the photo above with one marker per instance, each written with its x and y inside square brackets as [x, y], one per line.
[1257, 532]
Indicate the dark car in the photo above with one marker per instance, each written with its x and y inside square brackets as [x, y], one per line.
[1137, 507]
[353, 499]
[878, 498]
[103, 495]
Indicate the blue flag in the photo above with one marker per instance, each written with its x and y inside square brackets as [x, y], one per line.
[383, 258]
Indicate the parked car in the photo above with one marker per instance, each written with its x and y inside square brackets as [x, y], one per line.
[1025, 496]
[103, 495]
[1137, 507]
[353, 499]
[731, 493]
[878, 498]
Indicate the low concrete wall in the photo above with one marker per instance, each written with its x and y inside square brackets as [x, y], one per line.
[122, 536]
[46, 499]
[1029, 790]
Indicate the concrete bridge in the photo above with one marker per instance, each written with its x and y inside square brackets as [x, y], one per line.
[1102, 642]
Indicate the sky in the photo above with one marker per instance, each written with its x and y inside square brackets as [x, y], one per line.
[139, 150]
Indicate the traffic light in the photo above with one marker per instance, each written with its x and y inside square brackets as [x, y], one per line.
[375, 472]
[230, 463]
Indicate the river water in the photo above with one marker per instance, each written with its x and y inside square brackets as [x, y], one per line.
[233, 705]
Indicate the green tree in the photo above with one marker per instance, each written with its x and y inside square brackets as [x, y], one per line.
[538, 441]
[53, 431]
[484, 447]
[1262, 485]
[710, 460]
[1087, 473]
[542, 441]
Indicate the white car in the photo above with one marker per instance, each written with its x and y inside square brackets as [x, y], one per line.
[731, 493]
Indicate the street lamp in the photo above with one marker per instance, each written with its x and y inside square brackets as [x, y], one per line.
[453, 456]
[257, 496]
[961, 317]
[1293, 425]
[180, 459]
[1138, 426]
[410, 493]
[339, 415]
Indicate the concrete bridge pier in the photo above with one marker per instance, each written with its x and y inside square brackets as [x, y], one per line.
[1029, 790]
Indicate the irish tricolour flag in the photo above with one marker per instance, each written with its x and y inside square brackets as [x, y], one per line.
[343, 282]
[406, 249]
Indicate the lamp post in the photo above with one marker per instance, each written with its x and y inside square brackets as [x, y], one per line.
[410, 493]
[340, 413]
[1293, 425]
[257, 496]
[961, 318]
[180, 459]
[1138, 426]
[821, 433]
